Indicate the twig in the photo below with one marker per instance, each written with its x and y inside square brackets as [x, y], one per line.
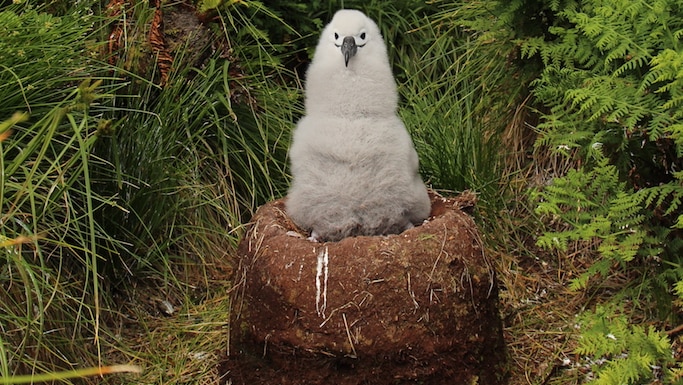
[675, 331]
[348, 334]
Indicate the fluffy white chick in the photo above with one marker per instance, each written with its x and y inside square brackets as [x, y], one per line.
[353, 163]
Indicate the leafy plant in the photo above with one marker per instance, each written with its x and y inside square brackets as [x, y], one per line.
[600, 104]
[50, 284]
[598, 76]
[622, 353]
[595, 208]
[606, 84]
[598, 79]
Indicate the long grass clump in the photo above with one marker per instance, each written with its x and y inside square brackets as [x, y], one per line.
[49, 279]
[192, 160]
[112, 179]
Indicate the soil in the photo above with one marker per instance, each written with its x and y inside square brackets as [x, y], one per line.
[417, 307]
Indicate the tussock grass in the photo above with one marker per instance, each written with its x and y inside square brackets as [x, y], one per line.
[116, 181]
[40, 55]
[48, 202]
[49, 275]
[190, 162]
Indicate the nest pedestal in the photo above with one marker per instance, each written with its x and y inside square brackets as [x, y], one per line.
[417, 306]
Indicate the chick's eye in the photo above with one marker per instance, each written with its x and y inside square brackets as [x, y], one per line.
[362, 35]
[336, 36]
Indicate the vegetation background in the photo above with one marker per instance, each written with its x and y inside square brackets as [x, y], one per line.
[138, 137]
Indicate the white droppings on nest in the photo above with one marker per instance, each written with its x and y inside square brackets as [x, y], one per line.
[321, 272]
[301, 270]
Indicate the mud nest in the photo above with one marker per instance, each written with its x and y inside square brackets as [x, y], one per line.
[420, 306]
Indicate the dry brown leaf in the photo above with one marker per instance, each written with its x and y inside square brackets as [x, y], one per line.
[157, 40]
[113, 10]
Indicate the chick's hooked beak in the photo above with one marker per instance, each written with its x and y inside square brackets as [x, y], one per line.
[348, 48]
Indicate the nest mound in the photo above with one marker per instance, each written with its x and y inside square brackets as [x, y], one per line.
[416, 306]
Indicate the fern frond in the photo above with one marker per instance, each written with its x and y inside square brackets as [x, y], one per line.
[675, 132]
[678, 289]
[626, 208]
[628, 351]
[660, 123]
[598, 210]
[599, 268]
[631, 63]
[665, 67]
[530, 47]
[620, 248]
[666, 197]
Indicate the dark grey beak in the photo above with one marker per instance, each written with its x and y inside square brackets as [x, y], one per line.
[349, 49]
